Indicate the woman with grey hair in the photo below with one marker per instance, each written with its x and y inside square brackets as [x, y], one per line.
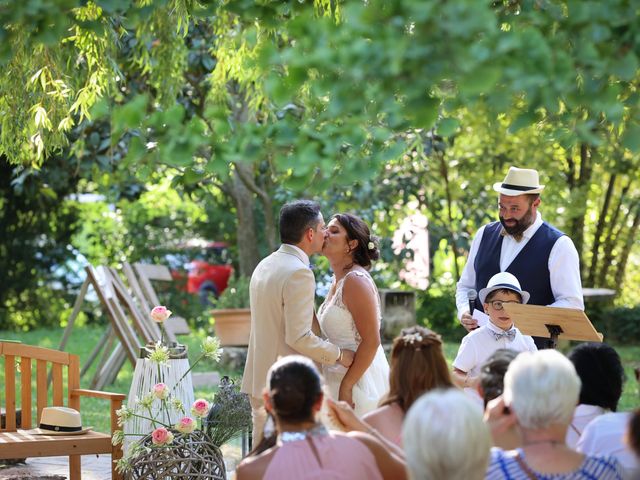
[444, 437]
[541, 392]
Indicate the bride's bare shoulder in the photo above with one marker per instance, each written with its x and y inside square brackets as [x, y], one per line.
[358, 282]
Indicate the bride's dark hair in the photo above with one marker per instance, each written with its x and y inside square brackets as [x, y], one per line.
[367, 249]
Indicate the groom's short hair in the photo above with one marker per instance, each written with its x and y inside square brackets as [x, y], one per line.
[295, 218]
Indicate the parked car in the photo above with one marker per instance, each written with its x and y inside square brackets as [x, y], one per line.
[206, 266]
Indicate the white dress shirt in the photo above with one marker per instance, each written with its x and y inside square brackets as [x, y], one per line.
[480, 344]
[582, 416]
[305, 257]
[564, 268]
[604, 435]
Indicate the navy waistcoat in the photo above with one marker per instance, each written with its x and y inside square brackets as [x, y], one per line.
[530, 267]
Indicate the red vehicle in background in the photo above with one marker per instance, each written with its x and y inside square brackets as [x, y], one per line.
[206, 266]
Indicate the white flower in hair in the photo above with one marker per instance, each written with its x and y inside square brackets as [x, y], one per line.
[413, 338]
[371, 245]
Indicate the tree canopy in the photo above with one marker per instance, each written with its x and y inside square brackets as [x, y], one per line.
[372, 105]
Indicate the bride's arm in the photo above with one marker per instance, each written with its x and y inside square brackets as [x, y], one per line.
[360, 299]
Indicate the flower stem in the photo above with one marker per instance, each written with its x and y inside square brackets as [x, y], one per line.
[151, 419]
[185, 373]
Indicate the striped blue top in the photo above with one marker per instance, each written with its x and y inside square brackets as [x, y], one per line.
[504, 466]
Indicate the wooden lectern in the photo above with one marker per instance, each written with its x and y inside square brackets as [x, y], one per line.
[553, 322]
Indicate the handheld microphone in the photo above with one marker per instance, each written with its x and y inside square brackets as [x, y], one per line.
[472, 295]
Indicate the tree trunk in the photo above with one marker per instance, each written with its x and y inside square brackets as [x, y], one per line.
[248, 254]
[263, 192]
[624, 255]
[454, 247]
[611, 238]
[595, 250]
[579, 197]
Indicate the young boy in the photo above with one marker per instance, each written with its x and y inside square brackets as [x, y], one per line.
[499, 332]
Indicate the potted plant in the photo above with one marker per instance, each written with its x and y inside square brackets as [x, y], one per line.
[232, 316]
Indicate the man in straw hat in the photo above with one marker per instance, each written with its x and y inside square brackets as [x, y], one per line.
[542, 258]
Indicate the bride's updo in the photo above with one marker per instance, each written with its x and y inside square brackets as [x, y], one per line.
[294, 386]
[367, 249]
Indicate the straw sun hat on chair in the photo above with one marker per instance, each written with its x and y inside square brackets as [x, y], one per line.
[60, 421]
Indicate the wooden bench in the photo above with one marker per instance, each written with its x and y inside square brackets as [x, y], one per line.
[19, 443]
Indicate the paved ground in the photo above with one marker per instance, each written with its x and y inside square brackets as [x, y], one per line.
[94, 467]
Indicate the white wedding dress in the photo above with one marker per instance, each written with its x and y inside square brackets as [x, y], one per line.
[339, 328]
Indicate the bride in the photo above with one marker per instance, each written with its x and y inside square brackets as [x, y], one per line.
[350, 315]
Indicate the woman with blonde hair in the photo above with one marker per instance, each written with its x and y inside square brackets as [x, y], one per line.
[446, 438]
[417, 366]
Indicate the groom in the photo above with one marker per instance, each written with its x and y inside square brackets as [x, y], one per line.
[282, 293]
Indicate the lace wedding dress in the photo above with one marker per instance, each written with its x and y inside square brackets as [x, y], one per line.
[338, 326]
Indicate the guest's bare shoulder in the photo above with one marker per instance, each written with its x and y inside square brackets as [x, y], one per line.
[255, 467]
[383, 415]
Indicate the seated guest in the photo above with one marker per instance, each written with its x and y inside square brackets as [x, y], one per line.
[305, 449]
[605, 434]
[417, 366]
[633, 433]
[491, 386]
[541, 391]
[444, 437]
[602, 375]
[498, 333]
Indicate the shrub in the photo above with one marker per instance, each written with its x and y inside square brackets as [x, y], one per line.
[437, 311]
[236, 295]
[620, 325]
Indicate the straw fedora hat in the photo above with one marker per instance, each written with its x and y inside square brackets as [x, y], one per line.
[60, 421]
[503, 280]
[519, 181]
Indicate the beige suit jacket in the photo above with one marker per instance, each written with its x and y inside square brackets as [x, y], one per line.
[282, 293]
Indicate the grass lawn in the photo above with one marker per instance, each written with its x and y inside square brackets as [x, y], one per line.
[82, 342]
[84, 339]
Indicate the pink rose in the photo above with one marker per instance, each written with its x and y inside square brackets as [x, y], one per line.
[161, 436]
[160, 314]
[200, 408]
[161, 391]
[186, 425]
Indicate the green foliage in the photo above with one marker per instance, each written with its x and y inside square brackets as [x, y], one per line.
[436, 309]
[236, 295]
[36, 225]
[619, 325]
[382, 106]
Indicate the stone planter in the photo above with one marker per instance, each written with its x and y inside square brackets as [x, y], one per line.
[232, 326]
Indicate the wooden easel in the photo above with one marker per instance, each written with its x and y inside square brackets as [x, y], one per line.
[553, 322]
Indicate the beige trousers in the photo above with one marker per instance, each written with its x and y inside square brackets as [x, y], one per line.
[258, 417]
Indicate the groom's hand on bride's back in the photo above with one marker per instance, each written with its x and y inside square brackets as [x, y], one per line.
[346, 357]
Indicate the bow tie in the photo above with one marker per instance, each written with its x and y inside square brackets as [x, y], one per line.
[510, 335]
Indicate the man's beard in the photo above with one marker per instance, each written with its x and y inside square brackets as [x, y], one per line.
[520, 226]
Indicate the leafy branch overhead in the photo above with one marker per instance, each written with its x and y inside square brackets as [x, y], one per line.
[265, 100]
